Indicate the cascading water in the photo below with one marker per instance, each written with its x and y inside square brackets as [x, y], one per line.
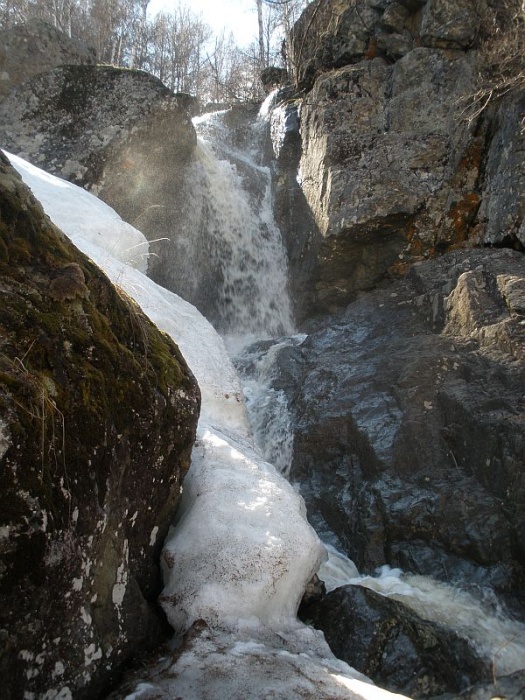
[241, 552]
[230, 241]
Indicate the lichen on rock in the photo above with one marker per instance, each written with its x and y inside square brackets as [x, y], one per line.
[98, 412]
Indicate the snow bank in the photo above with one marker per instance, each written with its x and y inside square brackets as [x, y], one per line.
[255, 552]
[83, 217]
[225, 667]
[112, 244]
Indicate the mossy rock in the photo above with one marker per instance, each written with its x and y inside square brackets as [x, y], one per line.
[98, 413]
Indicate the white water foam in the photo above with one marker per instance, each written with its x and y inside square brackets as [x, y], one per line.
[496, 636]
[243, 242]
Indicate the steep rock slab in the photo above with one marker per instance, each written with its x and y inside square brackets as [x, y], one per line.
[501, 217]
[408, 420]
[398, 172]
[119, 133]
[36, 47]
[98, 413]
[390, 170]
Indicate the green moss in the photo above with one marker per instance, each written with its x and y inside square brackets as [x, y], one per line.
[79, 377]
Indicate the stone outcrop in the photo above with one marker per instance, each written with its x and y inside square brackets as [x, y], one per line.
[36, 47]
[408, 420]
[393, 645]
[391, 171]
[106, 129]
[98, 413]
[408, 424]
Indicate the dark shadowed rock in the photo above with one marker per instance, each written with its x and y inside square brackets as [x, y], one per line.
[510, 687]
[408, 420]
[273, 76]
[502, 212]
[36, 47]
[98, 413]
[392, 645]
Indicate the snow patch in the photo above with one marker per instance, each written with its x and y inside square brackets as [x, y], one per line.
[153, 536]
[58, 670]
[83, 217]
[119, 588]
[92, 653]
[242, 548]
[77, 583]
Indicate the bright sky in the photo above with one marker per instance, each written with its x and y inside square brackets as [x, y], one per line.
[238, 16]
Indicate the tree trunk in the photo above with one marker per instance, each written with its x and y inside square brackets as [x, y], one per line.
[262, 60]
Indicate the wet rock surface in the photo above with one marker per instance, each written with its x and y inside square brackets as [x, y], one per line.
[407, 418]
[407, 413]
[511, 687]
[98, 417]
[393, 645]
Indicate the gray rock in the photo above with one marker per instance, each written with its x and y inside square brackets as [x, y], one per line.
[392, 645]
[36, 47]
[391, 170]
[510, 687]
[450, 24]
[409, 422]
[396, 176]
[340, 32]
[105, 129]
[502, 211]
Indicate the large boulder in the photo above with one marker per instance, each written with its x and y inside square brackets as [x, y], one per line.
[119, 133]
[98, 414]
[36, 47]
[394, 646]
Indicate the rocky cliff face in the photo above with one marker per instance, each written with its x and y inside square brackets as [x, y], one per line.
[428, 379]
[406, 396]
[98, 413]
[390, 169]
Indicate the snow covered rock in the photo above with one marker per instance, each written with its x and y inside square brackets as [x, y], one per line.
[98, 412]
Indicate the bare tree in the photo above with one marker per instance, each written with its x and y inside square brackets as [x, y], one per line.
[275, 21]
[174, 46]
[12, 12]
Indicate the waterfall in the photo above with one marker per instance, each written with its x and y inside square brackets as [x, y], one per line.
[233, 208]
[241, 550]
[231, 247]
